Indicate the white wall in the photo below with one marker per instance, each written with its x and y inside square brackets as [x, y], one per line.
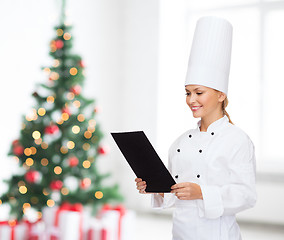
[26, 29]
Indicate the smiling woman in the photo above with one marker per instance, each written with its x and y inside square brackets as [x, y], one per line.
[202, 100]
[213, 164]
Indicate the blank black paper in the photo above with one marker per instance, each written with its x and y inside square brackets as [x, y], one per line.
[144, 160]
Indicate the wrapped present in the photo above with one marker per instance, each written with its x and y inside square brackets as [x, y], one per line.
[64, 222]
[35, 230]
[127, 229]
[97, 230]
[13, 230]
[115, 223]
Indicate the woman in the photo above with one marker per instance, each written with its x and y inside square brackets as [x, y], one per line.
[214, 164]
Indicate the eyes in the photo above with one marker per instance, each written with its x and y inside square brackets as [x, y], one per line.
[188, 93]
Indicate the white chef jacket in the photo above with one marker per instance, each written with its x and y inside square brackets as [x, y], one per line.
[222, 162]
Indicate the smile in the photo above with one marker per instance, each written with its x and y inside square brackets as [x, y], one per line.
[195, 108]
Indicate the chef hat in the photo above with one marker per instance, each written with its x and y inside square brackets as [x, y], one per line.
[210, 56]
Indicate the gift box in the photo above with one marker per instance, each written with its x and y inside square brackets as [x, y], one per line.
[35, 230]
[65, 222]
[115, 223]
[12, 230]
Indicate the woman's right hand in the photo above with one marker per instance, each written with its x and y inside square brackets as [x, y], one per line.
[141, 185]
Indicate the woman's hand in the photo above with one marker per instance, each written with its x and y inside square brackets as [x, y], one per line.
[187, 191]
[141, 185]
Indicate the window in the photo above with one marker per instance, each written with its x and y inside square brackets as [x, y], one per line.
[256, 77]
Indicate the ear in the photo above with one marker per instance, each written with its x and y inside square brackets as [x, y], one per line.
[221, 96]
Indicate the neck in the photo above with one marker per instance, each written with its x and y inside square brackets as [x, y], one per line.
[208, 120]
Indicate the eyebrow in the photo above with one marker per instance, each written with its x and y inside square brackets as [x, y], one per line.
[193, 89]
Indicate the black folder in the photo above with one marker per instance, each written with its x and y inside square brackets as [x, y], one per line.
[144, 160]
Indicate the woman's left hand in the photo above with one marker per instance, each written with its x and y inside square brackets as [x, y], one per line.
[187, 191]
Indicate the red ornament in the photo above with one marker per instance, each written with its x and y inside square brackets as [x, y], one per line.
[85, 183]
[56, 185]
[81, 64]
[18, 150]
[32, 176]
[102, 150]
[76, 89]
[15, 142]
[73, 161]
[52, 129]
[59, 44]
[66, 110]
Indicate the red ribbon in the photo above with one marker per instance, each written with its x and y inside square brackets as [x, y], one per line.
[121, 210]
[104, 234]
[76, 207]
[12, 224]
[30, 224]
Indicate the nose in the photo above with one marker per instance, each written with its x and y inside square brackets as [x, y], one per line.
[192, 99]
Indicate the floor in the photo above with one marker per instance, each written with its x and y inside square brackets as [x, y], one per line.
[157, 227]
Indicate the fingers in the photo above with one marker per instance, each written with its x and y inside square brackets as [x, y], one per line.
[178, 189]
[141, 185]
[181, 185]
[142, 191]
[138, 179]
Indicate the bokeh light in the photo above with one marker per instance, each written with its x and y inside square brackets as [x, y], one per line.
[57, 170]
[59, 32]
[44, 162]
[99, 195]
[81, 118]
[29, 162]
[28, 151]
[64, 191]
[50, 203]
[86, 164]
[75, 129]
[73, 71]
[64, 150]
[86, 146]
[44, 145]
[36, 135]
[41, 111]
[70, 144]
[88, 134]
[50, 99]
[23, 189]
[67, 36]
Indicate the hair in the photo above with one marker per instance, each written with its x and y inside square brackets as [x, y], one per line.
[224, 105]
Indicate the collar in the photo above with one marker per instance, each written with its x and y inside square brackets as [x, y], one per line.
[215, 125]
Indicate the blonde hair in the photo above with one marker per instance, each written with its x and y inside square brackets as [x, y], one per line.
[224, 105]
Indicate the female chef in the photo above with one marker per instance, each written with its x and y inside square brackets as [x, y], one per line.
[213, 164]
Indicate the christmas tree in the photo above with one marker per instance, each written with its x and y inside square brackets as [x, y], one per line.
[59, 143]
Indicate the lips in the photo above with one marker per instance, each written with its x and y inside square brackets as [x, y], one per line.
[195, 108]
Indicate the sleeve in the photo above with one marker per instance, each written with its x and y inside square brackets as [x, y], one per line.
[159, 202]
[239, 193]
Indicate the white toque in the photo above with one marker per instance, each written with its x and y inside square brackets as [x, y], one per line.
[210, 56]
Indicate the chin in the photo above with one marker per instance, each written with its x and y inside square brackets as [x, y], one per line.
[196, 115]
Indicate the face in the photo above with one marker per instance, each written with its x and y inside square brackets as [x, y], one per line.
[204, 101]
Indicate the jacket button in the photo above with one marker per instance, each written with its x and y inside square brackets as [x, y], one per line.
[198, 176]
[176, 176]
[212, 133]
[178, 150]
[200, 151]
[190, 136]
